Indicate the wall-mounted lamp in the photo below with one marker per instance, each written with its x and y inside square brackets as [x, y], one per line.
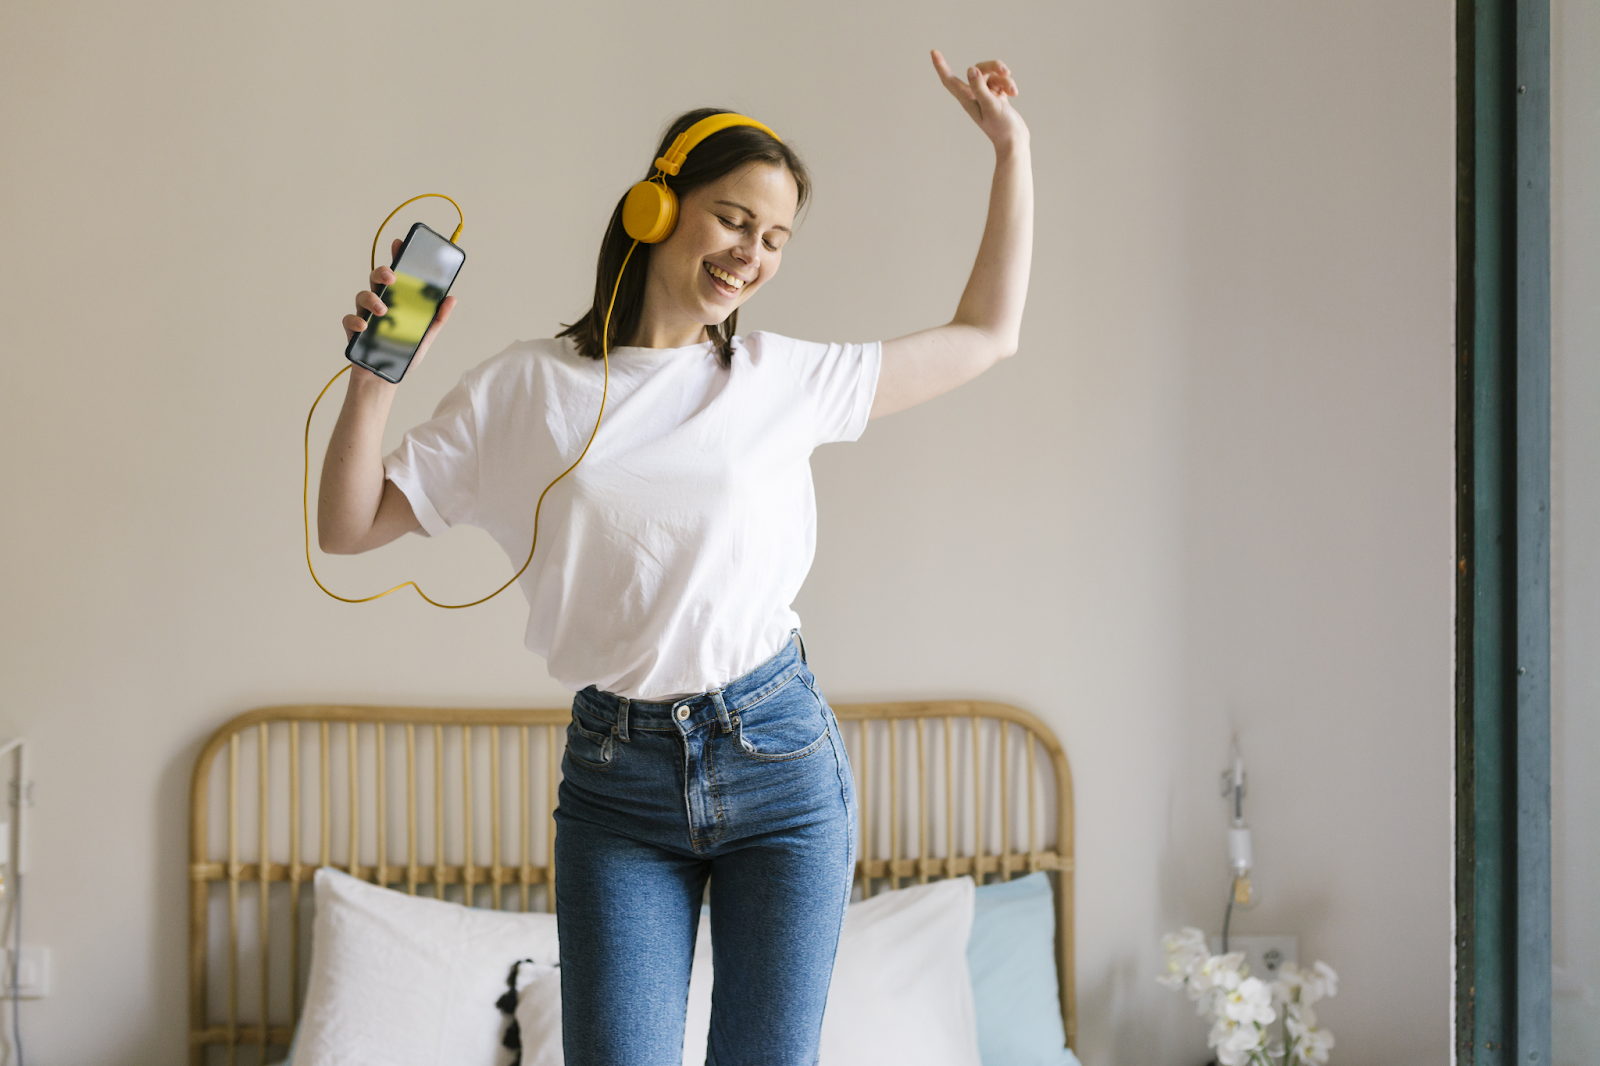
[1241, 855]
[13, 863]
[11, 831]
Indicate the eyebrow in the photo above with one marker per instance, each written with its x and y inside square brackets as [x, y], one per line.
[752, 214]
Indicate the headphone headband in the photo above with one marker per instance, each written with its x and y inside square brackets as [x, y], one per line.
[650, 210]
[685, 142]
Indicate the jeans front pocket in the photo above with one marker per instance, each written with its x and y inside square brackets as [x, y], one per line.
[597, 751]
[789, 724]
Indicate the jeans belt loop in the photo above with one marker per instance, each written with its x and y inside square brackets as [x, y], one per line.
[723, 720]
[621, 728]
[798, 639]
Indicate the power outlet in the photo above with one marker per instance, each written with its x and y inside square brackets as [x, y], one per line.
[1265, 955]
[32, 972]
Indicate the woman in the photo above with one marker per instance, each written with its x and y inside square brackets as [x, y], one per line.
[700, 747]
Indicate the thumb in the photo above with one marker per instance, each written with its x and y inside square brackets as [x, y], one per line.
[446, 305]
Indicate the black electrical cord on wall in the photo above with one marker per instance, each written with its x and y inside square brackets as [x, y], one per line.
[1228, 916]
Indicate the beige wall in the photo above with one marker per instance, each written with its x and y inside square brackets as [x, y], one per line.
[1211, 494]
[1575, 528]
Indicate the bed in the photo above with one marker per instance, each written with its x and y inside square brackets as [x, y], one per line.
[456, 803]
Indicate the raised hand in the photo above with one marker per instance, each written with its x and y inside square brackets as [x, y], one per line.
[985, 96]
[988, 321]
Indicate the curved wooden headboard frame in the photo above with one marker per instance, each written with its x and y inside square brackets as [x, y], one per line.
[892, 871]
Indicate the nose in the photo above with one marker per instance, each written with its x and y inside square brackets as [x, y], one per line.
[747, 252]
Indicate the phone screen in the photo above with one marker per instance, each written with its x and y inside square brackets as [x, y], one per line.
[423, 274]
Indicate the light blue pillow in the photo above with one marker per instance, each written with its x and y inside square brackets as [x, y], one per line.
[1012, 957]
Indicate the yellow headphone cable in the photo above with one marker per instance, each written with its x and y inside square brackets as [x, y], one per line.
[305, 488]
[649, 215]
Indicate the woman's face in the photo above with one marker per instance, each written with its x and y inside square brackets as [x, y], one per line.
[727, 244]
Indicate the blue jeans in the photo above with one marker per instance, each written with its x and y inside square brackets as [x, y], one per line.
[747, 786]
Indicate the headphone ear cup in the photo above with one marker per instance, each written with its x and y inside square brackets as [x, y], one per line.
[650, 212]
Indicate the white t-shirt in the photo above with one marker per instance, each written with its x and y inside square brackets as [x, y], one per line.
[668, 560]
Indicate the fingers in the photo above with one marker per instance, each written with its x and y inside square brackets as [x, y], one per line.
[370, 303]
[446, 305]
[383, 275]
[998, 77]
[957, 87]
[979, 83]
[995, 74]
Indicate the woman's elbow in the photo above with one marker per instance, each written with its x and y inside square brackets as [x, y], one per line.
[999, 340]
[335, 542]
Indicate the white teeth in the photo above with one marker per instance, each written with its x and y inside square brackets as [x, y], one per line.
[723, 275]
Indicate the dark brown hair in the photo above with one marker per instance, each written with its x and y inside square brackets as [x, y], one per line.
[717, 155]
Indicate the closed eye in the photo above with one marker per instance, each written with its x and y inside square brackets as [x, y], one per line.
[739, 227]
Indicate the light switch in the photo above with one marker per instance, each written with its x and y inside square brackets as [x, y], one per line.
[32, 973]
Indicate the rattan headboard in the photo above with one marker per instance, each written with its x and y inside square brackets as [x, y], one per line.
[457, 803]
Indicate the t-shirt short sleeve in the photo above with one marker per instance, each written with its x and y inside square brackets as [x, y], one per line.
[841, 380]
[436, 464]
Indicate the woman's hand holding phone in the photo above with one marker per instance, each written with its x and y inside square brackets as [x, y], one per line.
[369, 305]
[357, 507]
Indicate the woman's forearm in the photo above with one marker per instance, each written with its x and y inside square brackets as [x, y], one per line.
[993, 299]
[352, 485]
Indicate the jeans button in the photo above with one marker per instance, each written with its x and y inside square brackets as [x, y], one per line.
[683, 714]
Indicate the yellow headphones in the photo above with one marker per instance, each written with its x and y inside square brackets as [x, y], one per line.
[651, 210]
[648, 216]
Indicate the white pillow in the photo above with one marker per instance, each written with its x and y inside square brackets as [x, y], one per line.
[900, 993]
[539, 1017]
[901, 990]
[400, 980]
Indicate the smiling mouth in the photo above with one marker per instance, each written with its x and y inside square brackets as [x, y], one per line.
[727, 280]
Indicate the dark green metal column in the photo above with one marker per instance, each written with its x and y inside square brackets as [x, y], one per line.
[1503, 530]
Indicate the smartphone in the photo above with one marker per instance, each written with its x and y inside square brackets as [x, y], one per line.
[423, 273]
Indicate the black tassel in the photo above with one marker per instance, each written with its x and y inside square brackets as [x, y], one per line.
[507, 1004]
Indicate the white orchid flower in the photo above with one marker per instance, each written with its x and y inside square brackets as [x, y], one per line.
[1186, 953]
[1235, 1044]
[1308, 986]
[1251, 1002]
[1330, 979]
[1311, 1045]
[1302, 1013]
[1187, 941]
[1241, 1007]
[1220, 971]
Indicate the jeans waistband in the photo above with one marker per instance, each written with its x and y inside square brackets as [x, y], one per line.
[716, 705]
